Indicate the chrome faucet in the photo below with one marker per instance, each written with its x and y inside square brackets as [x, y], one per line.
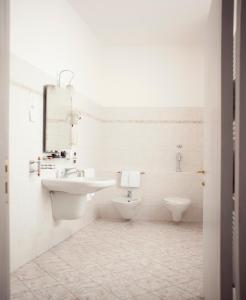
[70, 171]
[129, 194]
[73, 170]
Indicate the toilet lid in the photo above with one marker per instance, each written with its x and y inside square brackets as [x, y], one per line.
[177, 200]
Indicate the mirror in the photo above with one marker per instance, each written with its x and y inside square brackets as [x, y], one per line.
[57, 119]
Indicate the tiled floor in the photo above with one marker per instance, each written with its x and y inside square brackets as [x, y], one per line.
[117, 261]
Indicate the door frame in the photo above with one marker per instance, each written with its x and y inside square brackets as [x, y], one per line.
[226, 265]
[226, 168]
[240, 152]
[4, 124]
[218, 152]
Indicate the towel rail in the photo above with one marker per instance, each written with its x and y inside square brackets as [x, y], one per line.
[142, 173]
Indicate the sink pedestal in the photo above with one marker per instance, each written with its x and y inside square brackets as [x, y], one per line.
[67, 206]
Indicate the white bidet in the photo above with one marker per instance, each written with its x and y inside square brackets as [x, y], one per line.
[126, 206]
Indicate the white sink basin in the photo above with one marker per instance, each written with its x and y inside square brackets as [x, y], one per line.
[69, 195]
[77, 185]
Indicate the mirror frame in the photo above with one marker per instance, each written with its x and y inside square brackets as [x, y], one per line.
[45, 104]
[44, 116]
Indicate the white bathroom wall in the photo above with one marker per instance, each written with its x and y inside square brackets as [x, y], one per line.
[50, 35]
[31, 223]
[146, 139]
[148, 76]
[46, 37]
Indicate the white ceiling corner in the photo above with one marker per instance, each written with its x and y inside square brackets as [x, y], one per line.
[144, 22]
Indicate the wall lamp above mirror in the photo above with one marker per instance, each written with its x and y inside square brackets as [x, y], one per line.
[71, 77]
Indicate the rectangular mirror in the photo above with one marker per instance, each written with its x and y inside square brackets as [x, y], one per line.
[57, 119]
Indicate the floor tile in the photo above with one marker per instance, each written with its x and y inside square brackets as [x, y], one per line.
[24, 296]
[152, 283]
[17, 286]
[148, 297]
[29, 271]
[173, 293]
[114, 260]
[40, 282]
[57, 292]
[96, 294]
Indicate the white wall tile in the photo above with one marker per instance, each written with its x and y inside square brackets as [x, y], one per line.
[152, 147]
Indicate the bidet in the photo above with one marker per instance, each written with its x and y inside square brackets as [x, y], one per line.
[126, 206]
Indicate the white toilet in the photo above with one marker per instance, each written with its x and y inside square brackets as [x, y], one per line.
[177, 206]
[126, 206]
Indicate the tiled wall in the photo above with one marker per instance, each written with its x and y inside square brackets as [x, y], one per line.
[146, 139]
[32, 227]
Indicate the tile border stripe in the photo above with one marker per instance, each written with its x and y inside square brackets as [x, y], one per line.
[116, 121]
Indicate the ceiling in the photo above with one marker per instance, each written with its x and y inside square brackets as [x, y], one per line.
[144, 22]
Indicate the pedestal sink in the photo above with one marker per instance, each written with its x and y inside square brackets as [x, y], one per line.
[69, 195]
[77, 185]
